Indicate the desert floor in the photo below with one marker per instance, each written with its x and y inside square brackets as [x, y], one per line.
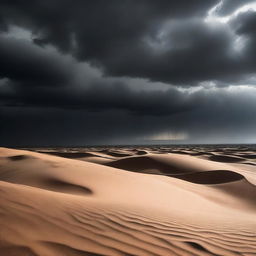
[186, 200]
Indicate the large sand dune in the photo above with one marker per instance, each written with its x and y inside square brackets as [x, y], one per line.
[127, 202]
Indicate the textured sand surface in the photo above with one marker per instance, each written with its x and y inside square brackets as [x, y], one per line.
[128, 201]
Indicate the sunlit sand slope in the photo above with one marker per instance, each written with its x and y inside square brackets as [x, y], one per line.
[51, 205]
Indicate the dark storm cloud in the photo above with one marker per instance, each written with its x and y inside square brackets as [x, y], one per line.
[167, 41]
[118, 36]
[25, 63]
[244, 26]
[107, 33]
[191, 53]
[91, 21]
[38, 77]
[98, 72]
[220, 118]
[101, 97]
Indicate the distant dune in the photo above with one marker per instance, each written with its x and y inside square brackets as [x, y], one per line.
[127, 201]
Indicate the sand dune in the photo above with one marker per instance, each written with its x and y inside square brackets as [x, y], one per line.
[56, 206]
[226, 158]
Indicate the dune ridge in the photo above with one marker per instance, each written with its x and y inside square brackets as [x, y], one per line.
[50, 205]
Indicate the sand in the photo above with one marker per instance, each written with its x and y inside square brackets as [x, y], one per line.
[128, 201]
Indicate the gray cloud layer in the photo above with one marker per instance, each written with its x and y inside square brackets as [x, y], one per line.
[136, 68]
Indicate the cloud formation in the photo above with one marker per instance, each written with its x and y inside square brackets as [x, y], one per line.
[136, 68]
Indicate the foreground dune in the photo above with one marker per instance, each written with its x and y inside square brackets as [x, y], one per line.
[105, 202]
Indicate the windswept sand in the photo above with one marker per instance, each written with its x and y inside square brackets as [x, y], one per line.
[75, 202]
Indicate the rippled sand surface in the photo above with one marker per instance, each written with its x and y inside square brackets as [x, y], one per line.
[128, 201]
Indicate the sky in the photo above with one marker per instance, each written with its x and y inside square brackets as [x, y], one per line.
[77, 73]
